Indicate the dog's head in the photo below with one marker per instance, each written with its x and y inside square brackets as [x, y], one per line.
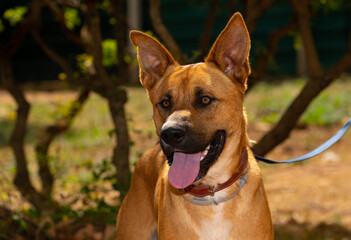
[198, 108]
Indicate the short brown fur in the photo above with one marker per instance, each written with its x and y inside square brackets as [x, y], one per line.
[152, 206]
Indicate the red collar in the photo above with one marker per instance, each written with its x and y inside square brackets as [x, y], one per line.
[204, 190]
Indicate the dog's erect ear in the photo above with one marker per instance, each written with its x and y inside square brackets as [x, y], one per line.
[230, 51]
[153, 58]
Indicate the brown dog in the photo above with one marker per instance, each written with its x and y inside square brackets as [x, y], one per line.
[202, 181]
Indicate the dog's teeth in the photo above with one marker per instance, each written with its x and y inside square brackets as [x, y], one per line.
[205, 152]
[208, 147]
[202, 158]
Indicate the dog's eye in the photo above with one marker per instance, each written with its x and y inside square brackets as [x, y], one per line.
[206, 100]
[165, 103]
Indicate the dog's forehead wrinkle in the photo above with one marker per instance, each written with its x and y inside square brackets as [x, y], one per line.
[168, 95]
[189, 72]
[185, 78]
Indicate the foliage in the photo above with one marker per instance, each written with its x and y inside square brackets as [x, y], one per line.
[84, 62]
[93, 200]
[72, 19]
[15, 15]
[63, 109]
[17, 219]
[109, 47]
[327, 5]
[105, 5]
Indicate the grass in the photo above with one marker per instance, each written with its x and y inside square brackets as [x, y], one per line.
[267, 102]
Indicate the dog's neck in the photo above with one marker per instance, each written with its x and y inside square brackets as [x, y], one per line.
[202, 190]
[228, 162]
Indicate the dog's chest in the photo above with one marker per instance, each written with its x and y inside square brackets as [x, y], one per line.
[217, 227]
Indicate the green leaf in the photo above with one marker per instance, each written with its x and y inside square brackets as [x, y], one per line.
[15, 15]
[84, 62]
[22, 224]
[109, 47]
[71, 16]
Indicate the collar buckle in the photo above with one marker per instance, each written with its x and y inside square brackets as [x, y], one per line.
[212, 190]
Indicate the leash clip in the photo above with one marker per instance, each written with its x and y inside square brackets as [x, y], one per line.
[212, 190]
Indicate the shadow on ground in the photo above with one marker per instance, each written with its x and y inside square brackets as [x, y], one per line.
[305, 231]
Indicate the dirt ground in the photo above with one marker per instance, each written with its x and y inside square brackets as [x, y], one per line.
[315, 194]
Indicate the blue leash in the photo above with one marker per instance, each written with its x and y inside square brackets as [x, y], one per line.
[330, 142]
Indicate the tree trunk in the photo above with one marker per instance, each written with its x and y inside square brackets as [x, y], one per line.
[50, 133]
[116, 98]
[52, 5]
[232, 7]
[121, 150]
[161, 29]
[120, 32]
[93, 43]
[263, 62]
[22, 180]
[303, 17]
[207, 31]
[102, 83]
[253, 10]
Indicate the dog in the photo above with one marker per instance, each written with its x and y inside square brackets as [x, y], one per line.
[202, 181]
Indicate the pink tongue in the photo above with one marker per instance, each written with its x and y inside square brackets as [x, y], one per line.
[184, 169]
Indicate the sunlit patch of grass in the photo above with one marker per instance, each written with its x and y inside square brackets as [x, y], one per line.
[332, 106]
[268, 101]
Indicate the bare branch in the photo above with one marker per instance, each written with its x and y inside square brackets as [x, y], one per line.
[50, 133]
[121, 149]
[22, 30]
[57, 11]
[73, 4]
[232, 7]
[53, 55]
[120, 31]
[253, 10]
[263, 62]
[22, 179]
[303, 17]
[161, 29]
[207, 31]
[93, 33]
[342, 65]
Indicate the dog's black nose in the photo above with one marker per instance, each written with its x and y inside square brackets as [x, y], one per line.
[172, 135]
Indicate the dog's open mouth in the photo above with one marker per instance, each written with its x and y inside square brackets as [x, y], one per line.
[186, 168]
